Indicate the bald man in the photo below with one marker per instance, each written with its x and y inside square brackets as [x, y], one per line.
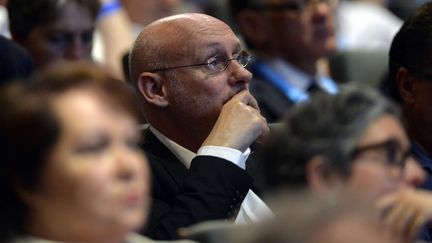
[190, 73]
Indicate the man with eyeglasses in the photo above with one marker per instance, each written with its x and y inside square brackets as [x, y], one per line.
[409, 83]
[190, 73]
[288, 38]
[350, 144]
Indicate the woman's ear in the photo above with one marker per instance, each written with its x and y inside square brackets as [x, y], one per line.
[320, 179]
[152, 87]
[405, 84]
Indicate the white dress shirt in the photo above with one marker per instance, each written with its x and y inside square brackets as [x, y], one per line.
[252, 209]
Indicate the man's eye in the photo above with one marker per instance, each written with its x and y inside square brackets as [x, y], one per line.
[216, 63]
[58, 39]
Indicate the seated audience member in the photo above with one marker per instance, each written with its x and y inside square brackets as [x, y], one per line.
[303, 218]
[410, 84]
[72, 170]
[15, 62]
[53, 30]
[288, 38]
[351, 143]
[189, 70]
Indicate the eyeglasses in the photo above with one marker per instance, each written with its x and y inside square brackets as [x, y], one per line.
[298, 6]
[217, 63]
[392, 150]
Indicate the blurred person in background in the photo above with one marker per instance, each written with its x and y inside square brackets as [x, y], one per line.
[410, 84]
[65, 178]
[350, 144]
[287, 38]
[304, 218]
[54, 30]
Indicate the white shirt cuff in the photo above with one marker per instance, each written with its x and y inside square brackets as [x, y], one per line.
[233, 155]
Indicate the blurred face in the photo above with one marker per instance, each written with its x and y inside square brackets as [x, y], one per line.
[300, 30]
[197, 94]
[381, 162]
[68, 38]
[96, 180]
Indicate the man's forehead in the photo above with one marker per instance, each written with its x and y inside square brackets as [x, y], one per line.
[214, 44]
[212, 37]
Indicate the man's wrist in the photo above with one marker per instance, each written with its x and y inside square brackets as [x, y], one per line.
[233, 155]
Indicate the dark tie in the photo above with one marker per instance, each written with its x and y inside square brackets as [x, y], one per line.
[313, 87]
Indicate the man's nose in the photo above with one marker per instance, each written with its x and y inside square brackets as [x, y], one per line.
[238, 73]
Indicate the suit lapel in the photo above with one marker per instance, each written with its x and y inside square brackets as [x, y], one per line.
[158, 153]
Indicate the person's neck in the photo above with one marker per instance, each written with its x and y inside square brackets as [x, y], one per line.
[188, 139]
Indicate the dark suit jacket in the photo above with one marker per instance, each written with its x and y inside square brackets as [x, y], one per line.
[273, 103]
[212, 188]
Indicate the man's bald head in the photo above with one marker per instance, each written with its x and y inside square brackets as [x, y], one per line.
[186, 68]
[167, 41]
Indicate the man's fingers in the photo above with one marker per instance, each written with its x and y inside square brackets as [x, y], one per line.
[245, 97]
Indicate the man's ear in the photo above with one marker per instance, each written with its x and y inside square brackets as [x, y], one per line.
[319, 178]
[405, 84]
[252, 27]
[152, 87]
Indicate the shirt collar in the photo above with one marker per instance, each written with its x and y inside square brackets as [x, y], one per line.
[294, 76]
[297, 78]
[182, 153]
